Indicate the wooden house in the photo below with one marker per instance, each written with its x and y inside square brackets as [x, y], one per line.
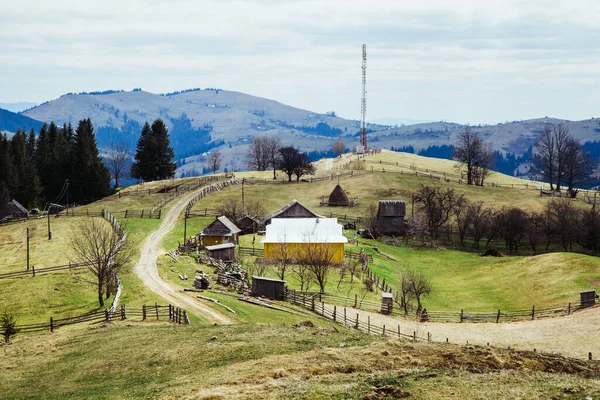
[13, 210]
[291, 210]
[220, 231]
[224, 252]
[310, 239]
[269, 288]
[390, 217]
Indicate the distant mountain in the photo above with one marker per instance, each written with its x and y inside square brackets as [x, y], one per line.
[10, 122]
[398, 121]
[17, 107]
[200, 120]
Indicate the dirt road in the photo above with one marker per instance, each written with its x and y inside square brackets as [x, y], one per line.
[573, 335]
[147, 271]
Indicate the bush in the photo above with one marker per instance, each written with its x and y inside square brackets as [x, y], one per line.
[491, 253]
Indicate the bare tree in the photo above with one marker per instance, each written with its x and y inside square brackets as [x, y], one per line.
[292, 162]
[416, 285]
[437, 205]
[463, 218]
[97, 244]
[318, 257]
[304, 274]
[284, 255]
[566, 218]
[258, 155]
[255, 208]
[480, 220]
[474, 155]
[117, 160]
[544, 157]
[513, 225]
[535, 228]
[370, 222]
[272, 146]
[231, 208]
[339, 146]
[561, 135]
[579, 165]
[215, 159]
[405, 295]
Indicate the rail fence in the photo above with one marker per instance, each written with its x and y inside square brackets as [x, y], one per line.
[209, 189]
[179, 190]
[36, 271]
[152, 312]
[251, 251]
[442, 316]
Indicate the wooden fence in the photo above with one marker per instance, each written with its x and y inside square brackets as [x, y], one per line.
[447, 316]
[179, 190]
[35, 271]
[152, 312]
[251, 251]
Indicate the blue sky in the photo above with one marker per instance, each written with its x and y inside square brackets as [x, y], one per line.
[465, 61]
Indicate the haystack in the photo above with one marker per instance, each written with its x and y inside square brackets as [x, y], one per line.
[338, 197]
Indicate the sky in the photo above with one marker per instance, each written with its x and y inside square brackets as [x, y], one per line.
[467, 61]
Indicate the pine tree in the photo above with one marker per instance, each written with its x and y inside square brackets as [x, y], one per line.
[153, 157]
[6, 171]
[91, 179]
[27, 186]
[165, 167]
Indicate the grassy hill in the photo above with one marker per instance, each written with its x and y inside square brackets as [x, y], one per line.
[272, 361]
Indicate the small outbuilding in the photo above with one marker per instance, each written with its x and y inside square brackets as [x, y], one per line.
[269, 288]
[224, 252]
[390, 217]
[220, 231]
[291, 210]
[13, 210]
[387, 303]
[248, 224]
[587, 298]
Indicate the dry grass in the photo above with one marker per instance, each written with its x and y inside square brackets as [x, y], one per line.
[274, 361]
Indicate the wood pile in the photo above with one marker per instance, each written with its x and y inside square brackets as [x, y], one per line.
[202, 281]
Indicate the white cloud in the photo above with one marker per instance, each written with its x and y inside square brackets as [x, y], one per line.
[472, 61]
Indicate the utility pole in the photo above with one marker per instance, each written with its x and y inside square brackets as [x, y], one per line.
[67, 197]
[49, 231]
[27, 249]
[243, 203]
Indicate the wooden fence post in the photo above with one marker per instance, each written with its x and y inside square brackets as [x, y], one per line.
[461, 315]
[185, 318]
[334, 313]
[398, 330]
[569, 309]
[344, 316]
[415, 336]
[383, 332]
[428, 337]
[179, 316]
[294, 297]
[106, 317]
[532, 313]
[156, 306]
[590, 356]
[355, 300]
[144, 312]
[368, 324]
[51, 325]
[356, 326]
[498, 316]
[322, 309]
[33, 270]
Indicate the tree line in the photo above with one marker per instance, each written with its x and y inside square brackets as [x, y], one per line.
[266, 152]
[445, 214]
[63, 165]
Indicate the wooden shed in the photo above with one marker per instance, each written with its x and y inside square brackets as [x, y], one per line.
[390, 217]
[248, 224]
[13, 210]
[220, 231]
[587, 298]
[269, 288]
[387, 303]
[291, 210]
[224, 252]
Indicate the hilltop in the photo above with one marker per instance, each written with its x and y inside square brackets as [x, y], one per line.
[203, 119]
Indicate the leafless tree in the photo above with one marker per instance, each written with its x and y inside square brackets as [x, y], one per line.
[117, 160]
[535, 228]
[339, 146]
[96, 243]
[255, 208]
[561, 135]
[404, 296]
[258, 155]
[473, 155]
[479, 221]
[231, 208]
[513, 225]
[304, 274]
[284, 256]
[414, 285]
[437, 205]
[579, 165]
[544, 157]
[370, 222]
[272, 146]
[567, 221]
[463, 218]
[352, 267]
[215, 159]
[590, 237]
[318, 257]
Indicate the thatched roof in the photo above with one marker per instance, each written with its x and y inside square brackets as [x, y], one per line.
[338, 196]
[391, 208]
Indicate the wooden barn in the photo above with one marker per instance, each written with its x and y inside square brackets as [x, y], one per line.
[390, 217]
[220, 231]
[269, 288]
[224, 252]
[13, 210]
[305, 239]
[249, 224]
[291, 210]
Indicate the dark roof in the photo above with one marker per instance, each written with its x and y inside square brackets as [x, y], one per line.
[338, 196]
[260, 278]
[220, 246]
[13, 209]
[391, 208]
[292, 210]
[221, 226]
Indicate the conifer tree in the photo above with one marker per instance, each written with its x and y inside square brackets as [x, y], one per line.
[153, 157]
[26, 182]
[6, 171]
[91, 179]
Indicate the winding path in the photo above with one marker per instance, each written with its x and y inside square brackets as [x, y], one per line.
[147, 271]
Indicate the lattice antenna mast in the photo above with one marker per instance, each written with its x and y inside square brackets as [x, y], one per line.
[363, 104]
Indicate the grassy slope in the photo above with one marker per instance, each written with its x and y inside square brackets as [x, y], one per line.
[145, 360]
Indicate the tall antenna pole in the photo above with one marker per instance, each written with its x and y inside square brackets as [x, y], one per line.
[363, 104]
